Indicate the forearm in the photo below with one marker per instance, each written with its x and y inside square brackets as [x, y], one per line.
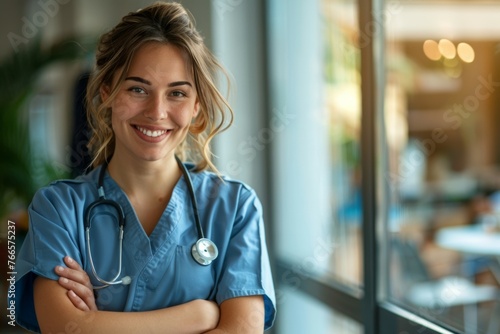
[177, 319]
[56, 313]
[242, 315]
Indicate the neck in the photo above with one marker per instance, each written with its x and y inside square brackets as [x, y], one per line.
[145, 178]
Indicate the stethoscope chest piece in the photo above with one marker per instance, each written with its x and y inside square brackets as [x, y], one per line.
[204, 251]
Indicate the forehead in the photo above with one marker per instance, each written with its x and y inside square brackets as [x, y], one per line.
[160, 61]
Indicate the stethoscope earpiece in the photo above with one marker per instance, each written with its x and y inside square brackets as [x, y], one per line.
[126, 280]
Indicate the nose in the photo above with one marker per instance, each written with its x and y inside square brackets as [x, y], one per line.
[157, 108]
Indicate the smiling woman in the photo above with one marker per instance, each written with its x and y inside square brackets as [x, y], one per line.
[193, 62]
[151, 99]
[154, 105]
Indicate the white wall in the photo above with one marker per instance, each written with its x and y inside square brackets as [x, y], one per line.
[238, 32]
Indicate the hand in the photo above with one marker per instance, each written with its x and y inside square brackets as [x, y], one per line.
[77, 282]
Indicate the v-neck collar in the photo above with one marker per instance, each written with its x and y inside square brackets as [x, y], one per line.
[164, 229]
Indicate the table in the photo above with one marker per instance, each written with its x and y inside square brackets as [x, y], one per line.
[474, 240]
[471, 239]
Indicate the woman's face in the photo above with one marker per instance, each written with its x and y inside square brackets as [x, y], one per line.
[155, 104]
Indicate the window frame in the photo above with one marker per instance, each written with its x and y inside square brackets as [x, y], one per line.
[369, 307]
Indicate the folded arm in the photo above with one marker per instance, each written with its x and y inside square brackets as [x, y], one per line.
[242, 315]
[57, 313]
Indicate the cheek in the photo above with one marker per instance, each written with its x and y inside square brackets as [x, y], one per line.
[181, 116]
[124, 108]
[186, 119]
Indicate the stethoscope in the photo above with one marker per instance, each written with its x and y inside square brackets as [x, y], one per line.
[204, 250]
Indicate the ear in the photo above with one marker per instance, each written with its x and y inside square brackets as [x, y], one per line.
[104, 92]
[196, 108]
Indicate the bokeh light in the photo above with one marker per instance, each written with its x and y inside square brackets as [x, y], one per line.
[447, 48]
[431, 50]
[465, 52]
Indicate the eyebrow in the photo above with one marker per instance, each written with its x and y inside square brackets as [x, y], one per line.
[139, 79]
[179, 83]
[172, 84]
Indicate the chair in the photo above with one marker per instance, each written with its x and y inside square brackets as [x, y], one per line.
[443, 293]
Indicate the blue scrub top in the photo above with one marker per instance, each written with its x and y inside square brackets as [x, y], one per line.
[161, 266]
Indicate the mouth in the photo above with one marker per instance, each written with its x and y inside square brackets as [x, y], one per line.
[151, 134]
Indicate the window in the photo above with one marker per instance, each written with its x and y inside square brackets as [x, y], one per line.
[441, 122]
[386, 178]
[319, 214]
[315, 81]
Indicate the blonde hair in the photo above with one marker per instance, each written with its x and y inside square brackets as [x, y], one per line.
[167, 23]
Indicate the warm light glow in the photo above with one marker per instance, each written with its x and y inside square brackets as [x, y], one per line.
[452, 67]
[431, 50]
[447, 48]
[451, 63]
[465, 52]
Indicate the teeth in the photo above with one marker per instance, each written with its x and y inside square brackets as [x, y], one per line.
[150, 133]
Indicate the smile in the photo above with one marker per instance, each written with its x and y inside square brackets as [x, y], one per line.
[149, 133]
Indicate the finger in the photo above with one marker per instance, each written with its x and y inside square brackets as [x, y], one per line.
[77, 301]
[81, 291]
[75, 272]
[76, 275]
[72, 263]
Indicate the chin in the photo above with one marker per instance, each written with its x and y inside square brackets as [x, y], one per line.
[153, 157]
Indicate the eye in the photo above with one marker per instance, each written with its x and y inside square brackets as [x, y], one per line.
[137, 90]
[178, 93]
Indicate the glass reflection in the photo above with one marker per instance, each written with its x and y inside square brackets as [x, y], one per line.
[444, 239]
[343, 103]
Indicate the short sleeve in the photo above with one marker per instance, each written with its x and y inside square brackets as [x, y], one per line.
[246, 270]
[52, 235]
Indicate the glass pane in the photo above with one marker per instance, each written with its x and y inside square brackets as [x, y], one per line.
[302, 314]
[315, 89]
[343, 107]
[441, 120]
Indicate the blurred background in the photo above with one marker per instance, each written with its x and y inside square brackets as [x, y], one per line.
[368, 129]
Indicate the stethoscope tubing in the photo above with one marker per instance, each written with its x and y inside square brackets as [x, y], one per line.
[204, 251]
[113, 281]
[192, 196]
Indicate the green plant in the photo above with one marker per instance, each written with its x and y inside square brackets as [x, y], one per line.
[18, 74]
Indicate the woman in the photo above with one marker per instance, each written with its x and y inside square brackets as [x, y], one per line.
[150, 99]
